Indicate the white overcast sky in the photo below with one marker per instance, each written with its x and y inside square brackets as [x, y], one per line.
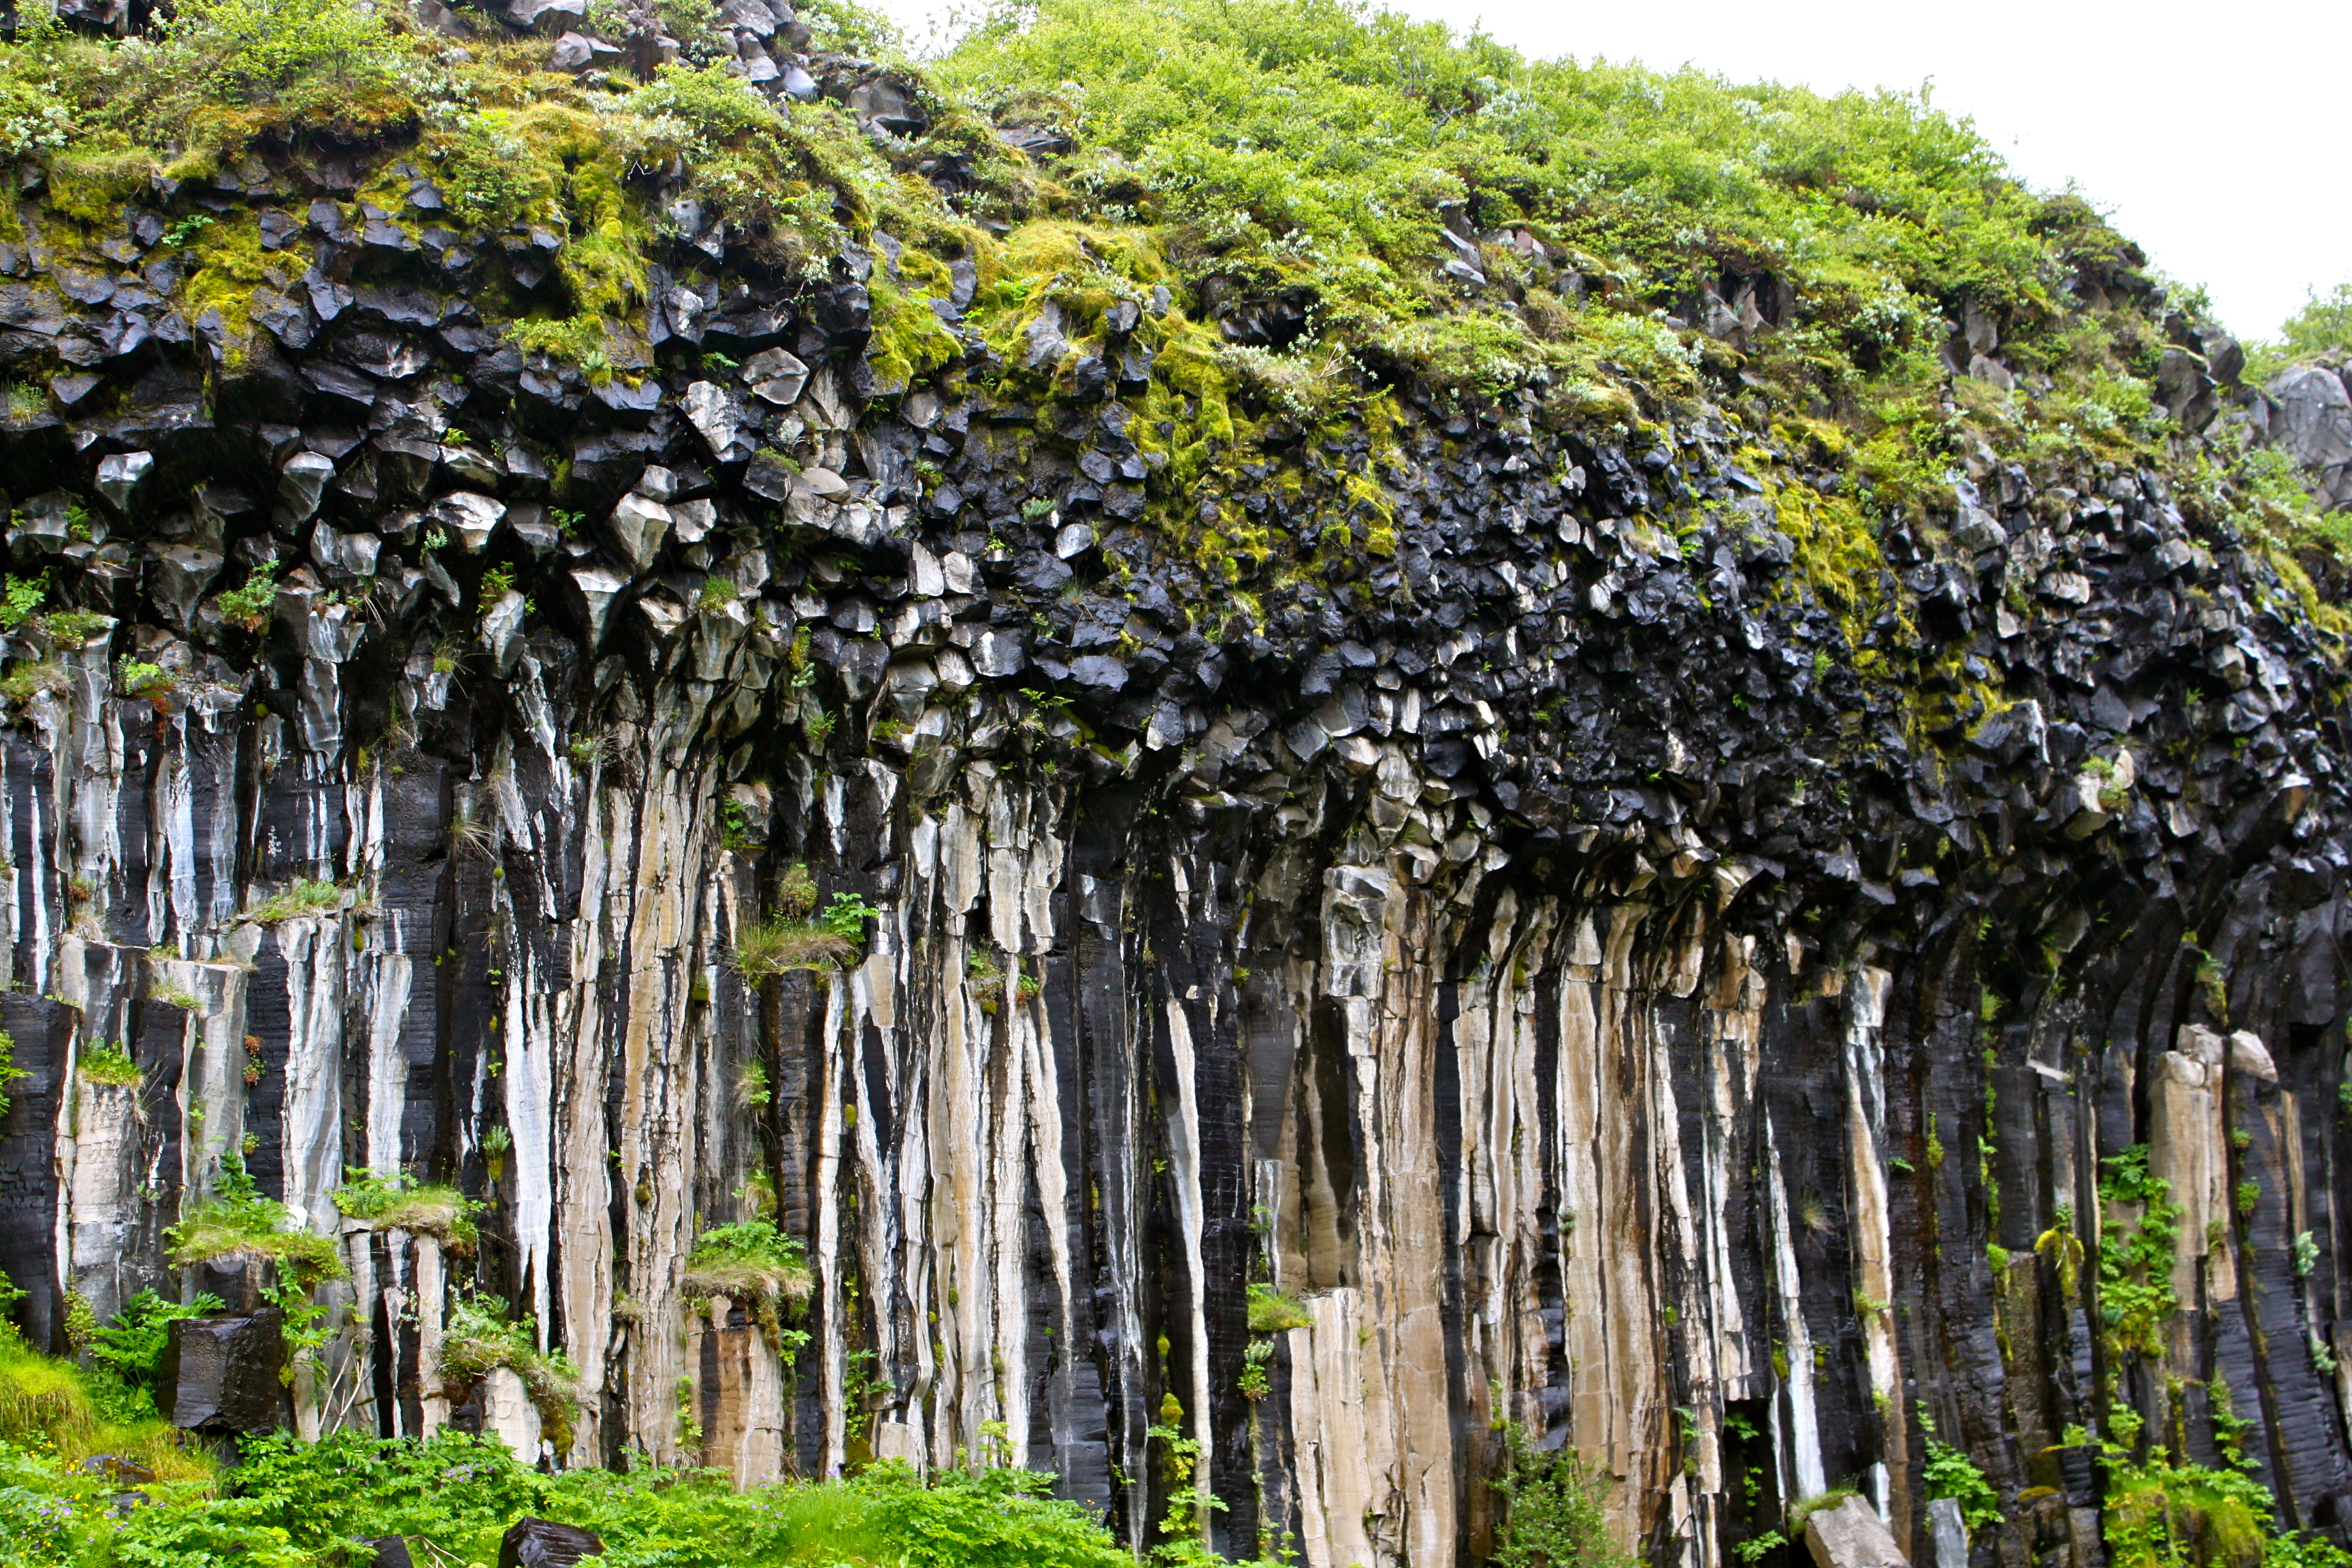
[2218, 135]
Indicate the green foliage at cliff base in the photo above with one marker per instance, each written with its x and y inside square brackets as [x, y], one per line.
[290, 1504]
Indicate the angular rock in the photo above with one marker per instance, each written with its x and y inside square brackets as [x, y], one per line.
[1851, 1535]
[302, 482]
[775, 376]
[469, 519]
[638, 527]
[119, 475]
[178, 577]
[219, 1375]
[543, 1544]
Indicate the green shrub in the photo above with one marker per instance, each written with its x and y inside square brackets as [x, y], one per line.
[1271, 1313]
[1950, 1473]
[73, 628]
[9, 1073]
[846, 915]
[138, 679]
[1552, 1512]
[132, 1345]
[23, 600]
[248, 604]
[2324, 323]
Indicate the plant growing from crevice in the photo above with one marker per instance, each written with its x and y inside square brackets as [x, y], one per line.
[774, 947]
[103, 1062]
[758, 1267]
[1271, 1312]
[132, 1345]
[247, 605]
[1552, 1511]
[304, 898]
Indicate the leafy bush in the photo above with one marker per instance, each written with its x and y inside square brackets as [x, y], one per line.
[1552, 1513]
[138, 679]
[9, 1073]
[23, 600]
[102, 1062]
[1950, 1473]
[250, 604]
[846, 917]
[73, 628]
[2324, 323]
[238, 1224]
[132, 1345]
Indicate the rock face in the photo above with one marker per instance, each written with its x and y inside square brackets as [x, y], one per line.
[1614, 978]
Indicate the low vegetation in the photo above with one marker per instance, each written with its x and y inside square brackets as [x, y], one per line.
[238, 1226]
[304, 898]
[1271, 1312]
[291, 1504]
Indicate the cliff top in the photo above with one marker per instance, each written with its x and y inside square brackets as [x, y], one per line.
[1306, 212]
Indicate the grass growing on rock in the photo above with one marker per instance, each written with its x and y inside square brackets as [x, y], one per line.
[774, 947]
[1271, 1312]
[238, 1224]
[291, 1504]
[751, 1260]
[399, 1202]
[304, 898]
[480, 1337]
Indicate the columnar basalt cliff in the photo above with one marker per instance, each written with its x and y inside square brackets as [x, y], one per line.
[1481, 915]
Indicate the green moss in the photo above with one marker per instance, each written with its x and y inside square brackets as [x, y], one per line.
[480, 1337]
[910, 340]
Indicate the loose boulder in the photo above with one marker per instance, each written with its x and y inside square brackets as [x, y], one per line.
[543, 1544]
[1851, 1535]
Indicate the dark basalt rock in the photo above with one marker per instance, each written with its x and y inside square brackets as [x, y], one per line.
[220, 1375]
[543, 1544]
